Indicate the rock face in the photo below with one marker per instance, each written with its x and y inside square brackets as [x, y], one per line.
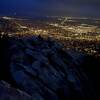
[44, 70]
[9, 93]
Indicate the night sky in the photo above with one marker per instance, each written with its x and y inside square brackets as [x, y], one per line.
[84, 8]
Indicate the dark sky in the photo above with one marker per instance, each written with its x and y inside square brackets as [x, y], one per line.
[83, 8]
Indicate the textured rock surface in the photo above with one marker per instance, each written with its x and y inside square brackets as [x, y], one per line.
[44, 70]
[9, 93]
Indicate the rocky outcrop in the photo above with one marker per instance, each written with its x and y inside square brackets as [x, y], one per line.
[9, 93]
[43, 69]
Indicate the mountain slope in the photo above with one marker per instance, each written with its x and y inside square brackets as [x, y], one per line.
[45, 70]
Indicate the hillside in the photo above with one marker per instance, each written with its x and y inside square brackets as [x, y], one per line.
[45, 70]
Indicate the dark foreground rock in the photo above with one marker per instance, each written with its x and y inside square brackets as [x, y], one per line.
[44, 70]
[9, 93]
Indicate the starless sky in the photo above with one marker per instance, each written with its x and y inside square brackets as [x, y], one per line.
[88, 8]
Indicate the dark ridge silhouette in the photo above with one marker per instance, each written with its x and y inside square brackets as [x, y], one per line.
[91, 67]
[48, 71]
[5, 42]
